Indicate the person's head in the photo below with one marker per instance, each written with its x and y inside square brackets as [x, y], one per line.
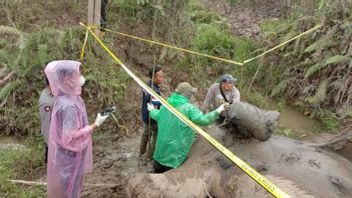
[185, 89]
[157, 75]
[227, 82]
[64, 77]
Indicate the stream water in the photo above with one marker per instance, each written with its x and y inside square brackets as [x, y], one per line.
[295, 120]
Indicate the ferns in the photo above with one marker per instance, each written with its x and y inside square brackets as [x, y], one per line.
[280, 88]
[320, 44]
[26, 55]
[9, 87]
[320, 94]
[338, 59]
[313, 69]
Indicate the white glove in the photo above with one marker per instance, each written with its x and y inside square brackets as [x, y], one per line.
[150, 107]
[227, 106]
[100, 119]
[221, 108]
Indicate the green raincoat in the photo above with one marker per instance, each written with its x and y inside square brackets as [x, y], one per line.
[174, 139]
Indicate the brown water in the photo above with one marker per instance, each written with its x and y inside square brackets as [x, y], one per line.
[295, 120]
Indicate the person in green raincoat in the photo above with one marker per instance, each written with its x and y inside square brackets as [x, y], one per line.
[174, 139]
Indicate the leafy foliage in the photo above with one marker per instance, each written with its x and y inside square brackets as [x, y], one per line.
[317, 64]
[32, 52]
[27, 162]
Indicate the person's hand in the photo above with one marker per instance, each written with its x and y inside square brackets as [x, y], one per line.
[226, 106]
[150, 107]
[100, 119]
[220, 109]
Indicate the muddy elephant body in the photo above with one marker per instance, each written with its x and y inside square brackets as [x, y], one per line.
[297, 169]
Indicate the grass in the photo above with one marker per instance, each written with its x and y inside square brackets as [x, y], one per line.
[329, 121]
[286, 132]
[20, 164]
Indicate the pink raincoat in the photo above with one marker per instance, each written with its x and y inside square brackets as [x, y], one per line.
[70, 142]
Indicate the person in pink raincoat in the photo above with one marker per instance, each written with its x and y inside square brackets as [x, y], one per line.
[70, 141]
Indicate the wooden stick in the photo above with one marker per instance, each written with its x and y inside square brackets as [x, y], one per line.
[34, 183]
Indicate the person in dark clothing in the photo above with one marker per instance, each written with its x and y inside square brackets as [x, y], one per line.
[45, 104]
[150, 126]
[103, 19]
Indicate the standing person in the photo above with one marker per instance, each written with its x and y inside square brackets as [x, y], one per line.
[150, 127]
[46, 101]
[222, 92]
[175, 138]
[70, 141]
[103, 18]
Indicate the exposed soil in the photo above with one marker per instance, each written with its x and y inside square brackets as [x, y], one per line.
[244, 18]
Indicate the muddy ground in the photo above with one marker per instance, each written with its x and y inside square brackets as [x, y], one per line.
[290, 164]
[298, 169]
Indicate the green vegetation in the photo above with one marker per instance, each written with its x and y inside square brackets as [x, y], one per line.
[23, 56]
[22, 163]
[27, 55]
[286, 132]
[312, 71]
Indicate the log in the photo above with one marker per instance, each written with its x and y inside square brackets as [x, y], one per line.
[258, 122]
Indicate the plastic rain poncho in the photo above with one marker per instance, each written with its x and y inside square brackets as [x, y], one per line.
[70, 142]
[174, 139]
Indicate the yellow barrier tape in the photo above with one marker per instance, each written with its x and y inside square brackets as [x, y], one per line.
[84, 45]
[261, 180]
[210, 56]
[282, 44]
[174, 47]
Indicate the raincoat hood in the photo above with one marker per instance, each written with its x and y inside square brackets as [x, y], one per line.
[64, 77]
[177, 100]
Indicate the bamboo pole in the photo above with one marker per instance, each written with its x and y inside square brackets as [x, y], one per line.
[94, 15]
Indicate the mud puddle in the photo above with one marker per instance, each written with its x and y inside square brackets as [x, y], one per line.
[295, 120]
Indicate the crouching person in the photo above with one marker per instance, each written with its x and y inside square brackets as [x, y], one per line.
[70, 141]
[174, 139]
